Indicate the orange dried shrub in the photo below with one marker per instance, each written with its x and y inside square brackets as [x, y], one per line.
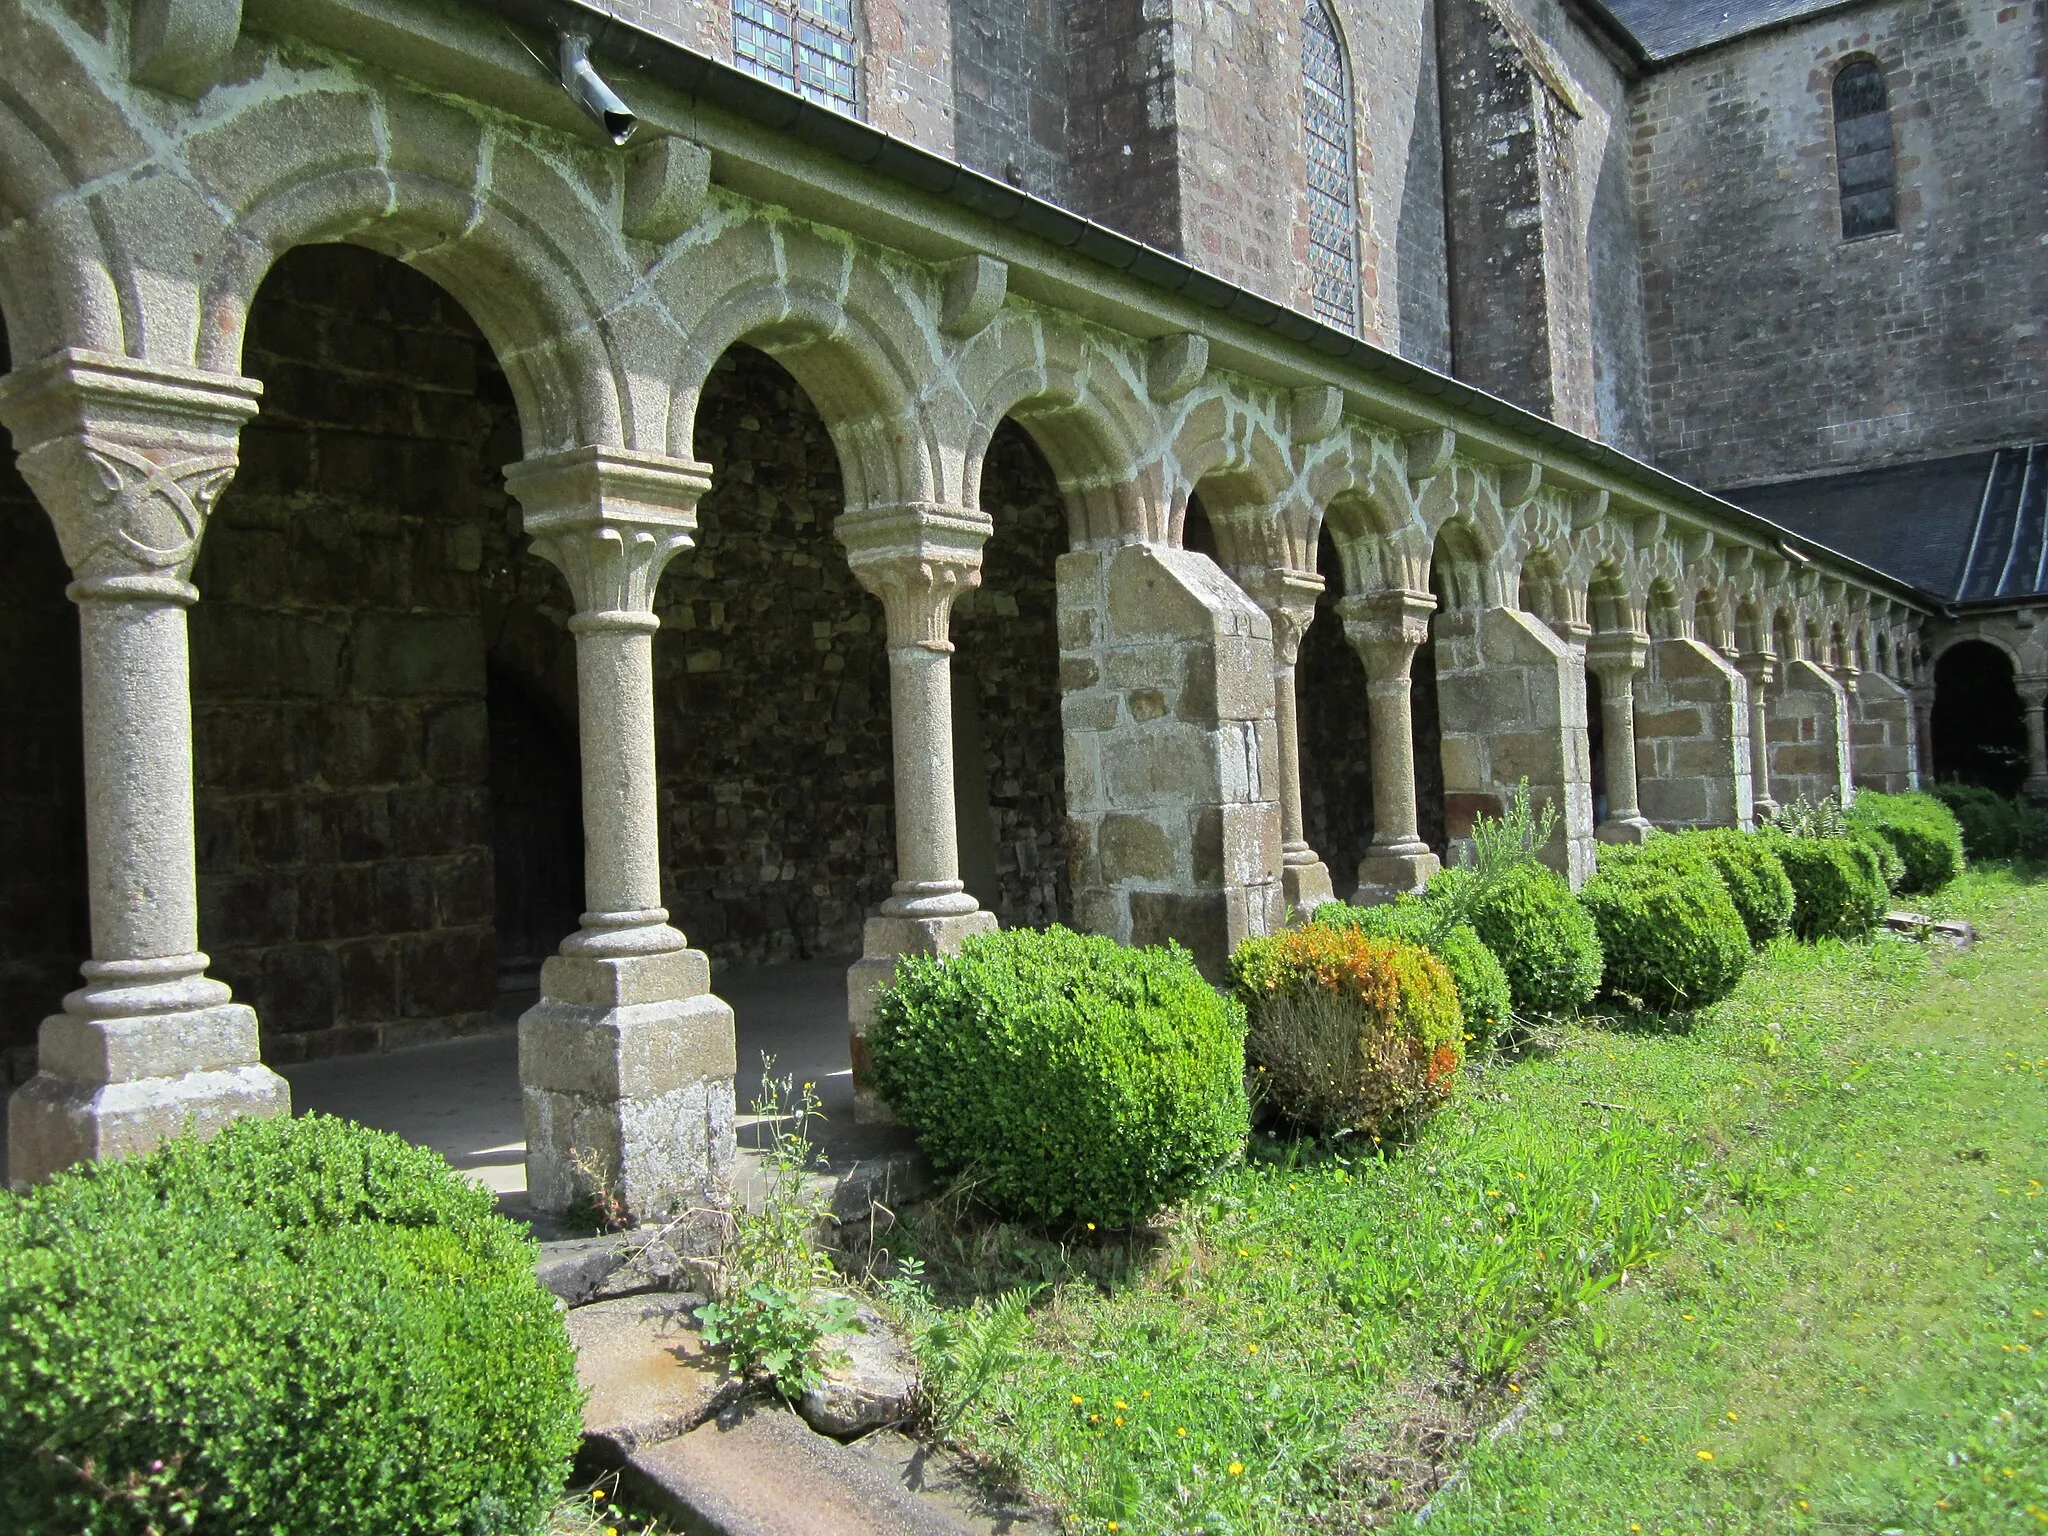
[1349, 1033]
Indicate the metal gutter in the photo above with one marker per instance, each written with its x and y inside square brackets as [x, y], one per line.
[694, 74]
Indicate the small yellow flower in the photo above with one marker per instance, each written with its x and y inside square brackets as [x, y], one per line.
[597, 1494]
[1146, 1393]
[1632, 1524]
[1733, 1416]
[1119, 1421]
[1688, 1317]
[1704, 1455]
[1181, 1430]
[1075, 1400]
[1094, 1418]
[1091, 1226]
[1113, 1525]
[1642, 1439]
[1237, 1469]
[1121, 1405]
[1804, 1505]
[1251, 1349]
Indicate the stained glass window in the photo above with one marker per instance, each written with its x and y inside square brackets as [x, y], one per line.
[805, 46]
[1863, 151]
[1332, 186]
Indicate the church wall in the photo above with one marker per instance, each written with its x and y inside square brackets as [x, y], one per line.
[1776, 349]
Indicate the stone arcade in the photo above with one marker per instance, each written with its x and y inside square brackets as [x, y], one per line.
[1498, 572]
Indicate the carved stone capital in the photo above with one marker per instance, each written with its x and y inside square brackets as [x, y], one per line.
[1288, 599]
[2032, 688]
[917, 559]
[1759, 667]
[1617, 656]
[609, 520]
[1387, 629]
[127, 458]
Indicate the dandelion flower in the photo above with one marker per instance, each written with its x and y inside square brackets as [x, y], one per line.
[1237, 1469]
[1075, 1400]
[1733, 1416]
[1251, 1349]
[1121, 1405]
[1704, 1455]
[1181, 1430]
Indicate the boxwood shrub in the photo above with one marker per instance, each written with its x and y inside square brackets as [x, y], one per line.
[300, 1326]
[1349, 1033]
[1074, 1077]
[1545, 943]
[1672, 938]
[1482, 985]
[1925, 834]
[1755, 879]
[1990, 822]
[1838, 888]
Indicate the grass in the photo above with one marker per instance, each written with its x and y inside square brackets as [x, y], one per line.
[1778, 1271]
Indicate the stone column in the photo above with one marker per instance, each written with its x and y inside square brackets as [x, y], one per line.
[1386, 630]
[1288, 599]
[627, 1061]
[1616, 659]
[917, 559]
[1758, 668]
[2033, 692]
[128, 459]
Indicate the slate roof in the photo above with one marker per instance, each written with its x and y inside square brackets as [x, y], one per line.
[1961, 529]
[1667, 28]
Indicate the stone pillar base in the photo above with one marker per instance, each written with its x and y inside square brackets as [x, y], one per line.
[883, 941]
[1630, 829]
[626, 1066]
[120, 1087]
[2035, 789]
[1382, 877]
[1304, 887]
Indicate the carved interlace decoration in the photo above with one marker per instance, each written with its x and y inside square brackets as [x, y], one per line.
[118, 511]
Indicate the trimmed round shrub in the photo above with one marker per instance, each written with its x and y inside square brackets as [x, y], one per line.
[1838, 890]
[1671, 936]
[1921, 830]
[1891, 869]
[1754, 878]
[1074, 1077]
[1482, 985]
[1349, 1033]
[1990, 823]
[298, 1326]
[1543, 939]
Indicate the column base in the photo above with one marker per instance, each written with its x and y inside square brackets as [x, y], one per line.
[1628, 829]
[2035, 789]
[1384, 876]
[883, 941]
[626, 1067]
[1304, 887]
[121, 1087]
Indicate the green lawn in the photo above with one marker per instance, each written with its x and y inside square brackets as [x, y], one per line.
[1783, 1272]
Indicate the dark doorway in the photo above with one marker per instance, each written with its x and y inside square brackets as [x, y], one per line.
[1336, 732]
[1596, 745]
[536, 830]
[1980, 733]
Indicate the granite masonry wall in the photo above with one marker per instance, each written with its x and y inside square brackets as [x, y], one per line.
[1777, 348]
[44, 927]
[339, 657]
[771, 687]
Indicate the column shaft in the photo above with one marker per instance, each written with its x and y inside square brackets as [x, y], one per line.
[1758, 668]
[615, 718]
[1387, 630]
[1616, 659]
[928, 880]
[1288, 599]
[2033, 693]
[626, 1063]
[128, 458]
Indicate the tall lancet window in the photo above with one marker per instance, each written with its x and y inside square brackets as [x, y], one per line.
[805, 46]
[1332, 184]
[1863, 151]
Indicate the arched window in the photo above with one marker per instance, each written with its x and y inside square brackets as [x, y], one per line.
[1332, 186]
[805, 46]
[1863, 151]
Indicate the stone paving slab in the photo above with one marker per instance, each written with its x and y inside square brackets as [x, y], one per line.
[757, 1470]
[647, 1371]
[949, 1483]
